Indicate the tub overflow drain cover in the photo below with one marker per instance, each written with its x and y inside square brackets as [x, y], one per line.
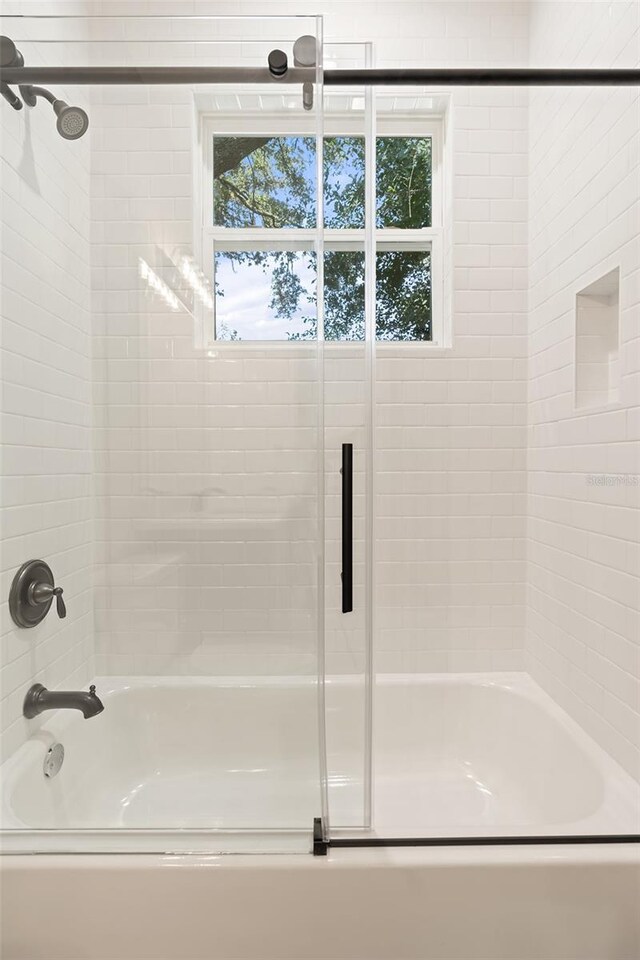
[53, 760]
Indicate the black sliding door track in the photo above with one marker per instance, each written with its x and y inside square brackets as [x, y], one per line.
[12, 73]
[321, 846]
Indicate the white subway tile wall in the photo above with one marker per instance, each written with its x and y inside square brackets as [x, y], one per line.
[200, 565]
[584, 465]
[451, 425]
[207, 457]
[45, 342]
[183, 439]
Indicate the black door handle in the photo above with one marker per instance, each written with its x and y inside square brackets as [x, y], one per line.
[347, 527]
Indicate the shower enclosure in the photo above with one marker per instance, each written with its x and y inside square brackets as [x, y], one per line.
[216, 437]
[251, 468]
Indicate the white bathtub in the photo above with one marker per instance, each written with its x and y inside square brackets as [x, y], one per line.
[172, 764]
[490, 754]
[454, 755]
[170, 760]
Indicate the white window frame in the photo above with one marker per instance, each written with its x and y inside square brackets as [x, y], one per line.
[215, 238]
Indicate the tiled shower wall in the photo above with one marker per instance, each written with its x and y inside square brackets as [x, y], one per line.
[206, 455]
[450, 430]
[46, 402]
[584, 465]
[451, 435]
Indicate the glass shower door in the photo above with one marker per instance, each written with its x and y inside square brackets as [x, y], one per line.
[349, 346]
[195, 207]
[260, 245]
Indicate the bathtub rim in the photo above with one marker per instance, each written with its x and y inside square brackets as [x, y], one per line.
[409, 896]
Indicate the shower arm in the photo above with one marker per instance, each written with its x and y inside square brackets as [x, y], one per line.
[30, 94]
[526, 76]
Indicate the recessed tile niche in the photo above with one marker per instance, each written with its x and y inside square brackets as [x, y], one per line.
[597, 342]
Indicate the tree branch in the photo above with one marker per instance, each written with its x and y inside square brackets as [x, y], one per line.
[229, 152]
[246, 202]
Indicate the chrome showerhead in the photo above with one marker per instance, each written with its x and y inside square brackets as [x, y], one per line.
[73, 122]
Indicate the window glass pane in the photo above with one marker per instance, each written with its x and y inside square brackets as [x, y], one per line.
[265, 295]
[344, 182]
[264, 182]
[403, 295]
[403, 182]
[270, 182]
[343, 295]
[270, 295]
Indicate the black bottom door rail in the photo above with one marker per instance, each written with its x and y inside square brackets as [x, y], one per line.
[322, 844]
